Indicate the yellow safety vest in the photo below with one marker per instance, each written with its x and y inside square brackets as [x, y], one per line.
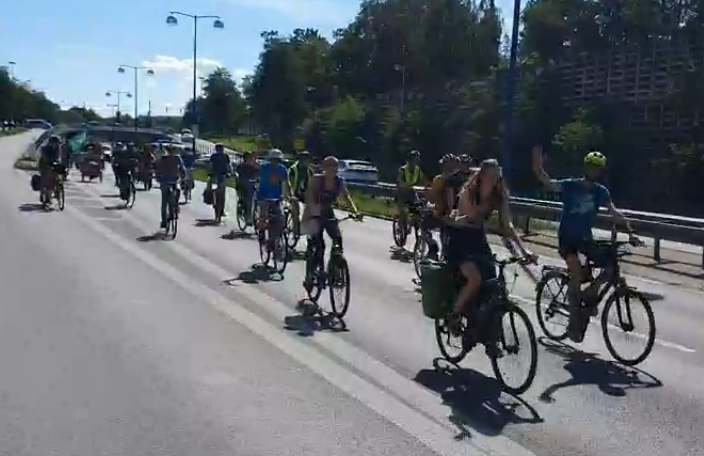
[411, 177]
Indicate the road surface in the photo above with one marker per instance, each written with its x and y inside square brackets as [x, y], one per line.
[116, 342]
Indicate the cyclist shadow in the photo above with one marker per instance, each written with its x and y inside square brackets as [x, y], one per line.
[33, 207]
[477, 402]
[157, 236]
[257, 273]
[116, 207]
[110, 195]
[206, 222]
[401, 254]
[610, 377]
[235, 235]
[311, 320]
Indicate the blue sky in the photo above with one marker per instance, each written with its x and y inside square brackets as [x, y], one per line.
[71, 49]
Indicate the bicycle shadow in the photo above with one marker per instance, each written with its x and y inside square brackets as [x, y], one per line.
[312, 320]
[157, 236]
[611, 378]
[109, 195]
[257, 273]
[477, 402]
[33, 207]
[116, 207]
[401, 254]
[206, 222]
[235, 235]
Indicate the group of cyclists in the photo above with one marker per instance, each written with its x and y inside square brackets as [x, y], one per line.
[460, 200]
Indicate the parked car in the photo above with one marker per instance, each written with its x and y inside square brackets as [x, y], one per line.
[37, 123]
[359, 171]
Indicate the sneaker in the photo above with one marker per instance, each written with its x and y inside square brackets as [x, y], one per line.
[163, 225]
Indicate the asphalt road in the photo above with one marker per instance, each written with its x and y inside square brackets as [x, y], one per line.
[116, 342]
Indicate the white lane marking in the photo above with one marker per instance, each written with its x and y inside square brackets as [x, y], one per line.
[662, 343]
[427, 430]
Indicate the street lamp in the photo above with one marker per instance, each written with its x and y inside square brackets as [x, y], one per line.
[118, 94]
[11, 66]
[510, 89]
[218, 24]
[137, 69]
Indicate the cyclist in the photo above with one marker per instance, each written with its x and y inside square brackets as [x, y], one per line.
[49, 156]
[220, 169]
[124, 162]
[146, 162]
[119, 150]
[581, 200]
[189, 161]
[246, 174]
[468, 246]
[441, 199]
[321, 195]
[169, 169]
[299, 175]
[409, 175]
[273, 186]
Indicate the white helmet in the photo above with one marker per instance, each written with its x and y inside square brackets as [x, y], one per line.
[276, 154]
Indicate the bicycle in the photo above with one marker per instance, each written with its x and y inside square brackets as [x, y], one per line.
[58, 191]
[187, 186]
[219, 202]
[605, 255]
[335, 275]
[128, 191]
[402, 230]
[246, 218]
[292, 237]
[493, 304]
[172, 212]
[272, 241]
[421, 245]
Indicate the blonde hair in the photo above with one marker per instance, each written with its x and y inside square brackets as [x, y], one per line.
[472, 186]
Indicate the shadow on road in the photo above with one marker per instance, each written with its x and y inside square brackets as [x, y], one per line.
[33, 207]
[312, 320]
[206, 222]
[401, 254]
[158, 236]
[110, 195]
[116, 207]
[256, 274]
[477, 402]
[296, 255]
[610, 377]
[235, 235]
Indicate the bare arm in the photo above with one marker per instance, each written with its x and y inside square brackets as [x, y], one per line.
[507, 229]
[345, 193]
[618, 215]
[550, 184]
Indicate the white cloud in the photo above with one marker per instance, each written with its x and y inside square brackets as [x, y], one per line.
[164, 64]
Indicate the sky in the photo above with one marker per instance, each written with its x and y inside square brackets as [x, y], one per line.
[72, 49]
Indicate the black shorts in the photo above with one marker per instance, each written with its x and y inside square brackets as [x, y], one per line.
[566, 246]
[470, 244]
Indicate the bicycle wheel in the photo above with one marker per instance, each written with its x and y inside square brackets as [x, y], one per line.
[420, 254]
[443, 338]
[264, 252]
[132, 195]
[60, 196]
[241, 215]
[339, 279]
[291, 237]
[623, 300]
[280, 253]
[400, 232]
[504, 340]
[172, 224]
[554, 316]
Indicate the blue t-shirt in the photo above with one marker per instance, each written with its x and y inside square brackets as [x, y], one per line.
[189, 160]
[580, 206]
[271, 181]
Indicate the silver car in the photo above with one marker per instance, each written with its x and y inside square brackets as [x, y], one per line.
[359, 171]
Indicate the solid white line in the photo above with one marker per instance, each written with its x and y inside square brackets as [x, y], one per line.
[662, 343]
[427, 430]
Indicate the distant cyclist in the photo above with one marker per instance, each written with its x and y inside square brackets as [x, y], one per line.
[220, 171]
[169, 170]
[49, 157]
[299, 175]
[408, 176]
[189, 162]
[246, 174]
[581, 199]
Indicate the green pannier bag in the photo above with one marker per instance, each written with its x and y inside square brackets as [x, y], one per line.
[437, 285]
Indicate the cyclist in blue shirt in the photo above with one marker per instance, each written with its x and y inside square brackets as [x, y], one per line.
[581, 199]
[273, 186]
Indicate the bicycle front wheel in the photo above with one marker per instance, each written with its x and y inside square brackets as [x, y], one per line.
[451, 346]
[399, 232]
[420, 253]
[289, 228]
[132, 196]
[625, 301]
[508, 324]
[241, 216]
[280, 253]
[61, 197]
[339, 281]
[551, 305]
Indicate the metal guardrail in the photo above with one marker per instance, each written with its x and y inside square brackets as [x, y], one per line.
[660, 227]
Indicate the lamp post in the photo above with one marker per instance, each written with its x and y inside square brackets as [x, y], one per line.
[510, 89]
[137, 69]
[218, 24]
[118, 94]
[114, 107]
[11, 67]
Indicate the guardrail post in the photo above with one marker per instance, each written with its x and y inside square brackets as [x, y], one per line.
[656, 250]
[526, 225]
[614, 233]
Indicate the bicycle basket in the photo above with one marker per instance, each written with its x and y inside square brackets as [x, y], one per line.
[437, 283]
